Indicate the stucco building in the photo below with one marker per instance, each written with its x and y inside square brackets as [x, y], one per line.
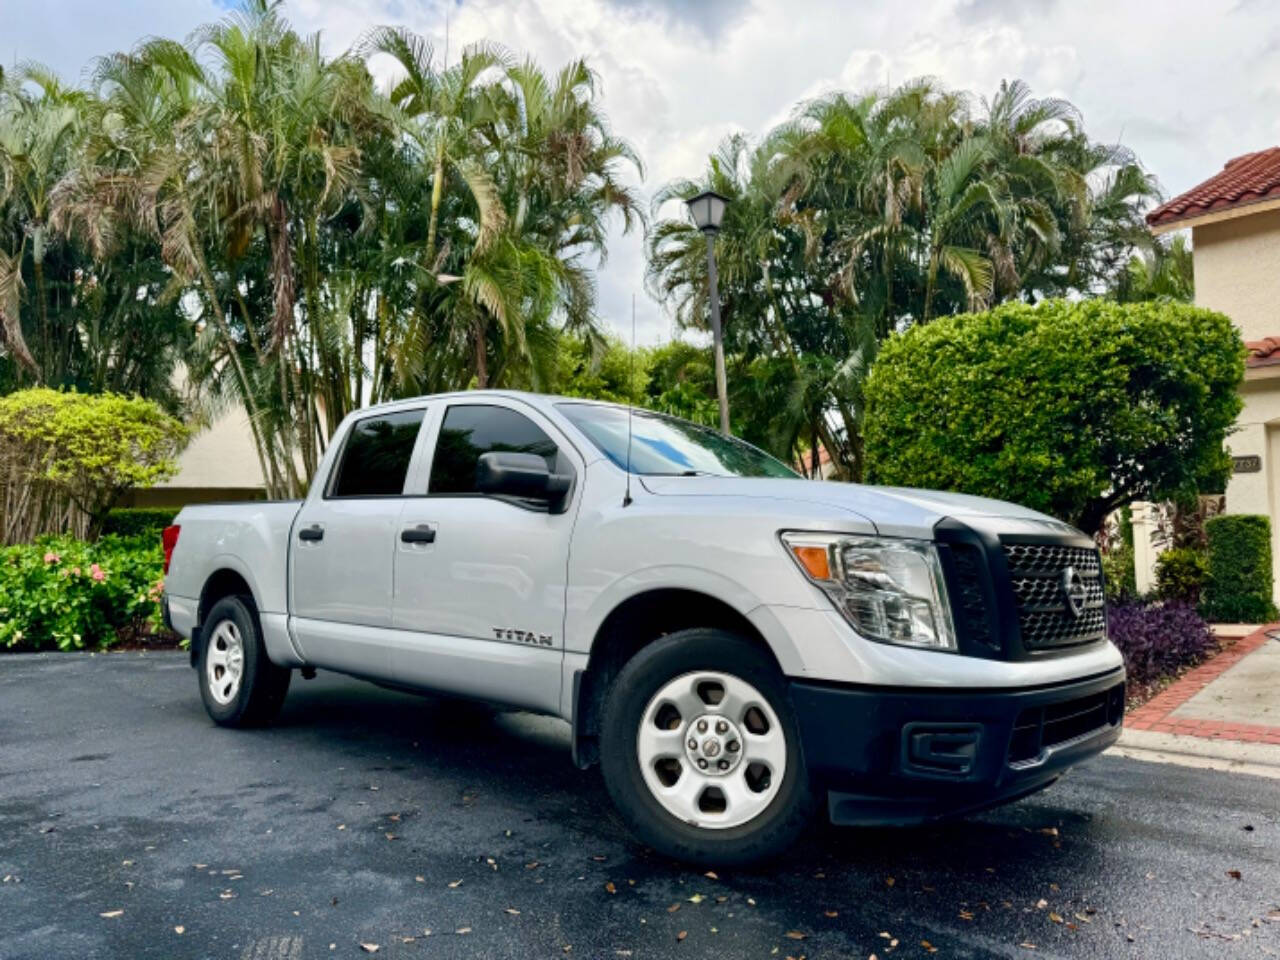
[220, 463]
[1234, 218]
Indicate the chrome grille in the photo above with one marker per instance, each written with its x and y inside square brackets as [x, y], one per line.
[1036, 573]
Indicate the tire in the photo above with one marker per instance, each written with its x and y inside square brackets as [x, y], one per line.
[755, 816]
[254, 695]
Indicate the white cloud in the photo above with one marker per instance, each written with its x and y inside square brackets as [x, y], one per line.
[1187, 86]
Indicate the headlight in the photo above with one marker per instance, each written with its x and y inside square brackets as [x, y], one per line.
[889, 589]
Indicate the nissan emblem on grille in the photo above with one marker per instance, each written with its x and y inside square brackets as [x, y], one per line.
[1073, 591]
[1058, 590]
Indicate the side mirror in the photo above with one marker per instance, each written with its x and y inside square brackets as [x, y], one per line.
[523, 475]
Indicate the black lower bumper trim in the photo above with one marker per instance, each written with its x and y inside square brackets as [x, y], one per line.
[888, 755]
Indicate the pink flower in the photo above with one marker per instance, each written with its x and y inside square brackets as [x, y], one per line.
[75, 571]
[97, 573]
[51, 557]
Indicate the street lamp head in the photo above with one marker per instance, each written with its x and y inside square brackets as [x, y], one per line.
[707, 209]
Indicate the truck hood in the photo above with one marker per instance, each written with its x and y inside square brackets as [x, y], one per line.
[894, 511]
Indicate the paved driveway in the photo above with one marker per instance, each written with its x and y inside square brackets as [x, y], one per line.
[369, 817]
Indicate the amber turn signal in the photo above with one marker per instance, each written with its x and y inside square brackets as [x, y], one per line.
[815, 560]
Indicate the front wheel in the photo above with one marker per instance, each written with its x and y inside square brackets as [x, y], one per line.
[240, 686]
[701, 753]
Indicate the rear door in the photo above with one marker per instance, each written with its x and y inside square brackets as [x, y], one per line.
[481, 605]
[344, 540]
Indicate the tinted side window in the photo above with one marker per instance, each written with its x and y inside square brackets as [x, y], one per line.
[471, 430]
[376, 457]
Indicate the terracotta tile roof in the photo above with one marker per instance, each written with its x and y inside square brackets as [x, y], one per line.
[1251, 178]
[1264, 352]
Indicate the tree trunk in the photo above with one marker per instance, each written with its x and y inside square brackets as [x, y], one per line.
[437, 191]
[482, 359]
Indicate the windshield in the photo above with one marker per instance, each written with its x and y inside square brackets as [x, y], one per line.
[666, 446]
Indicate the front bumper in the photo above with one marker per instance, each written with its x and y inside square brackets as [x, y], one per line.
[888, 755]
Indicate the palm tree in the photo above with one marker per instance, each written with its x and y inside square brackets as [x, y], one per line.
[38, 135]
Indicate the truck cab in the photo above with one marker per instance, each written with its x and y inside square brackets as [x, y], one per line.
[734, 645]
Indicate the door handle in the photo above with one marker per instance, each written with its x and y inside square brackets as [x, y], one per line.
[311, 533]
[419, 534]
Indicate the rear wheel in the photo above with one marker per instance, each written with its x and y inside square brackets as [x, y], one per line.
[701, 753]
[240, 686]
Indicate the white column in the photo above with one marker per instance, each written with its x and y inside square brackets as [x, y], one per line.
[1144, 551]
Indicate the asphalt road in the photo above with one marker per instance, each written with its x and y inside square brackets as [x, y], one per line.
[367, 817]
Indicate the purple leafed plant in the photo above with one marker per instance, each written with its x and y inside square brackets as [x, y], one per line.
[1158, 639]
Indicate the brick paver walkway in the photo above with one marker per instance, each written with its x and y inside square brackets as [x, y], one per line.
[1169, 712]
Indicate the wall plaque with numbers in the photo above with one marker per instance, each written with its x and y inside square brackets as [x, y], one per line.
[1247, 464]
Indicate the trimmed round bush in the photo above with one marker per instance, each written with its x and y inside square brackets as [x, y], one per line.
[1074, 409]
[1180, 574]
[1238, 587]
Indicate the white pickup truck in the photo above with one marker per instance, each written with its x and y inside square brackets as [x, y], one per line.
[732, 643]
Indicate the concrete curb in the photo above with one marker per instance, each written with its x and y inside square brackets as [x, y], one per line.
[1258, 759]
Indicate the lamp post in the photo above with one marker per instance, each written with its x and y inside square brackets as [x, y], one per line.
[707, 209]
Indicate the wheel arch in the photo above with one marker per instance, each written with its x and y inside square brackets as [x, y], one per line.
[631, 626]
[225, 581]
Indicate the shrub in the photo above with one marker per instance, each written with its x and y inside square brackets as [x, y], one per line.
[65, 593]
[1158, 639]
[1180, 574]
[1239, 582]
[1118, 573]
[65, 458]
[139, 521]
[1071, 408]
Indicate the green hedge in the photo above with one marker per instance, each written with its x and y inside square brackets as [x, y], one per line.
[139, 521]
[64, 593]
[1239, 582]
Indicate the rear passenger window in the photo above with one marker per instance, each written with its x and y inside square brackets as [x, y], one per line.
[473, 429]
[375, 460]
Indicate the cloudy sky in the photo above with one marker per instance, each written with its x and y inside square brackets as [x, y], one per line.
[1187, 84]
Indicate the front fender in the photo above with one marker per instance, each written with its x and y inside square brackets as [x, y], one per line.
[587, 611]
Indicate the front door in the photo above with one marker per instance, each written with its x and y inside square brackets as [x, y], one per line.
[480, 580]
[343, 548]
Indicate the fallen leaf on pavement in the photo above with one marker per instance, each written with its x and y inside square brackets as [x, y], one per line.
[711, 875]
[453, 885]
[179, 929]
[369, 947]
[462, 931]
[928, 946]
[420, 879]
[697, 898]
[1055, 917]
[889, 881]
[832, 914]
[111, 913]
[1234, 874]
[673, 908]
[681, 935]
[513, 911]
[610, 888]
[795, 935]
